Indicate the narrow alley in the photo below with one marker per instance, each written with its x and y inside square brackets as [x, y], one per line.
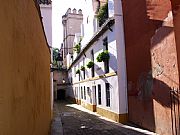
[73, 119]
[90, 67]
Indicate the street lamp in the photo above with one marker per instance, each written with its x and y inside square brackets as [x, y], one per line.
[63, 80]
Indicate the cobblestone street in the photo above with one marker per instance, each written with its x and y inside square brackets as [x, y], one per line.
[72, 119]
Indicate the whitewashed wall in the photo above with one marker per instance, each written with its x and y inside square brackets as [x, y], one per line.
[116, 47]
[46, 12]
[99, 70]
[88, 22]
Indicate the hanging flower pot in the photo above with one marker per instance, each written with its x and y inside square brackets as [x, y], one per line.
[82, 68]
[104, 56]
[78, 71]
[77, 48]
[90, 64]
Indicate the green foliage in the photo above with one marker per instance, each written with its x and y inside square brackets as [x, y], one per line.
[104, 56]
[90, 64]
[78, 71]
[82, 68]
[55, 56]
[102, 14]
[55, 53]
[60, 67]
[77, 48]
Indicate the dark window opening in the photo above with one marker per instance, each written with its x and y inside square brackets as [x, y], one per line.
[105, 43]
[79, 76]
[106, 66]
[107, 95]
[84, 72]
[81, 92]
[99, 94]
[105, 47]
[84, 93]
[92, 69]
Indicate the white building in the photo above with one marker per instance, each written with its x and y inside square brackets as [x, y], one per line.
[46, 13]
[101, 88]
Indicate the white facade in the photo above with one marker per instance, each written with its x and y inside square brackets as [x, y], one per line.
[46, 13]
[88, 89]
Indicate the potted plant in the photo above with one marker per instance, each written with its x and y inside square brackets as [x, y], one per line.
[78, 71]
[82, 68]
[104, 56]
[102, 14]
[77, 48]
[90, 64]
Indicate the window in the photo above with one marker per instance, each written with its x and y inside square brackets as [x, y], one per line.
[79, 74]
[84, 72]
[75, 92]
[105, 47]
[87, 19]
[74, 71]
[89, 93]
[107, 95]
[92, 57]
[106, 66]
[84, 93]
[94, 91]
[81, 92]
[105, 43]
[95, 25]
[99, 94]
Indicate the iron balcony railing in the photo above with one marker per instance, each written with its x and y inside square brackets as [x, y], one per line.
[175, 111]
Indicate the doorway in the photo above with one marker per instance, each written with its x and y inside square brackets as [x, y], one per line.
[61, 94]
[94, 98]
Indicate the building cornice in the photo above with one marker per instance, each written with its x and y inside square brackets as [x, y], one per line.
[101, 31]
[45, 6]
[69, 35]
[97, 77]
[44, 2]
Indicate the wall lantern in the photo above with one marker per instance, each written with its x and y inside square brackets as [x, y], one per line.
[63, 81]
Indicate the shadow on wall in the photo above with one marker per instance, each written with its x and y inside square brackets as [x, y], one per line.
[151, 64]
[88, 75]
[150, 94]
[99, 70]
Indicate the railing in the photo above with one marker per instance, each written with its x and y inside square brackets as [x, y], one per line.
[175, 112]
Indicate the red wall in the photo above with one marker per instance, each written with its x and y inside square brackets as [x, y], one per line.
[152, 68]
[176, 13]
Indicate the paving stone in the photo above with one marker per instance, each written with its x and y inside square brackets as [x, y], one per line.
[71, 121]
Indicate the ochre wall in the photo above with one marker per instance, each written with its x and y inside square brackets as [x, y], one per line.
[24, 71]
[152, 68]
